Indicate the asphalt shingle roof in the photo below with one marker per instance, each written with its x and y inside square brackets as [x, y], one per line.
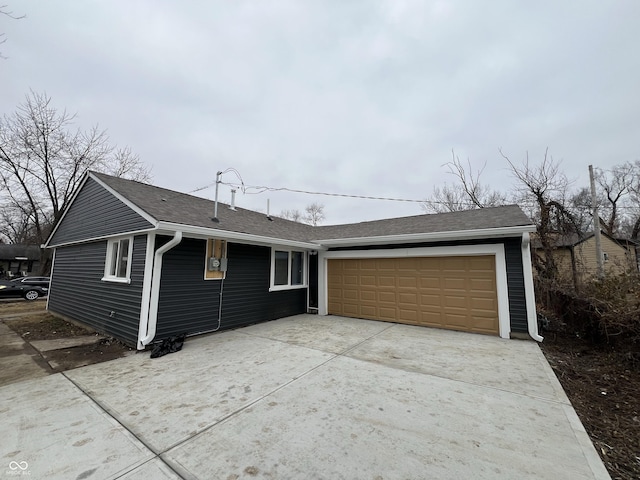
[180, 208]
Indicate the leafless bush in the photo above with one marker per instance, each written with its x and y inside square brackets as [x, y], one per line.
[605, 311]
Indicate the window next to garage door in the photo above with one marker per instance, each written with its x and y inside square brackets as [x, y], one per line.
[288, 269]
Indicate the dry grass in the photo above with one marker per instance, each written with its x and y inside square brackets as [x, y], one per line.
[10, 307]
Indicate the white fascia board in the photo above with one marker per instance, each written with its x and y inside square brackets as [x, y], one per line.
[126, 201]
[206, 232]
[429, 237]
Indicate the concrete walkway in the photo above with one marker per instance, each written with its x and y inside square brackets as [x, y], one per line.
[304, 397]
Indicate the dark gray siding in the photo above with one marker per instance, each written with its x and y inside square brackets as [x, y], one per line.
[515, 275]
[189, 304]
[96, 213]
[78, 292]
[515, 283]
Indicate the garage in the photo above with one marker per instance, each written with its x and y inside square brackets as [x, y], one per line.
[452, 292]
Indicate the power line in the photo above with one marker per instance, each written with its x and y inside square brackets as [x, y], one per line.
[262, 189]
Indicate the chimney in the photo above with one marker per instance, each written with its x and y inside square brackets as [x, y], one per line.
[233, 200]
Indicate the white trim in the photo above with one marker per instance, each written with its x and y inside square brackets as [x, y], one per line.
[53, 265]
[429, 237]
[112, 277]
[504, 318]
[529, 290]
[247, 238]
[152, 322]
[272, 272]
[146, 288]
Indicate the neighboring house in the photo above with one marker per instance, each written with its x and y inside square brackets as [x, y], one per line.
[19, 260]
[143, 263]
[577, 260]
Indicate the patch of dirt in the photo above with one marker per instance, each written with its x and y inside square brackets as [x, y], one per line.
[603, 386]
[102, 351]
[44, 326]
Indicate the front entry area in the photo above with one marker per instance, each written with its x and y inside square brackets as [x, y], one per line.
[452, 292]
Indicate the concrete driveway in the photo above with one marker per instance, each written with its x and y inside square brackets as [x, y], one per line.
[303, 397]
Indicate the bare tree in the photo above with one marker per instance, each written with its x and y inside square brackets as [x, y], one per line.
[616, 184]
[294, 215]
[467, 193]
[633, 217]
[314, 214]
[42, 161]
[7, 13]
[543, 188]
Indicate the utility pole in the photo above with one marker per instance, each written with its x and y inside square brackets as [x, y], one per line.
[596, 224]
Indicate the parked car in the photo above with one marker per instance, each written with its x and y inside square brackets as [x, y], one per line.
[16, 288]
[37, 281]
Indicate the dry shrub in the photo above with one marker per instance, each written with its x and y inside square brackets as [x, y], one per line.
[606, 312]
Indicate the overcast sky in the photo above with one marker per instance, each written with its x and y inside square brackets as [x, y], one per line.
[350, 97]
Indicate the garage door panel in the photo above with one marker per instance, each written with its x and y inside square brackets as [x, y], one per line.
[368, 295]
[368, 280]
[386, 281]
[430, 282]
[411, 282]
[426, 300]
[483, 304]
[455, 302]
[386, 297]
[410, 316]
[408, 298]
[454, 283]
[482, 284]
[387, 313]
[449, 292]
[481, 263]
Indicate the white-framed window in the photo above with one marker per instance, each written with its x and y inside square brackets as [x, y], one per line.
[117, 265]
[288, 269]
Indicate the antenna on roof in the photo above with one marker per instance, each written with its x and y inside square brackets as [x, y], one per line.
[215, 207]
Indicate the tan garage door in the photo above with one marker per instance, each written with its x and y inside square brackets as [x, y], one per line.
[458, 293]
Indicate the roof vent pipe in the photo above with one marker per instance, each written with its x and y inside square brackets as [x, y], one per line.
[233, 200]
[268, 206]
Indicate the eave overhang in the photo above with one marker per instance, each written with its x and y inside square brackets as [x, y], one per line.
[477, 234]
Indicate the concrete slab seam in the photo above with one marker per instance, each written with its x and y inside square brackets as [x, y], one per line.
[100, 408]
[546, 400]
[250, 404]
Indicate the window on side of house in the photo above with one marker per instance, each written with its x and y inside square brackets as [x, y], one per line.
[118, 261]
[605, 256]
[288, 268]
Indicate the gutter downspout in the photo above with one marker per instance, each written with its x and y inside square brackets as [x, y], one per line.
[529, 292]
[155, 289]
